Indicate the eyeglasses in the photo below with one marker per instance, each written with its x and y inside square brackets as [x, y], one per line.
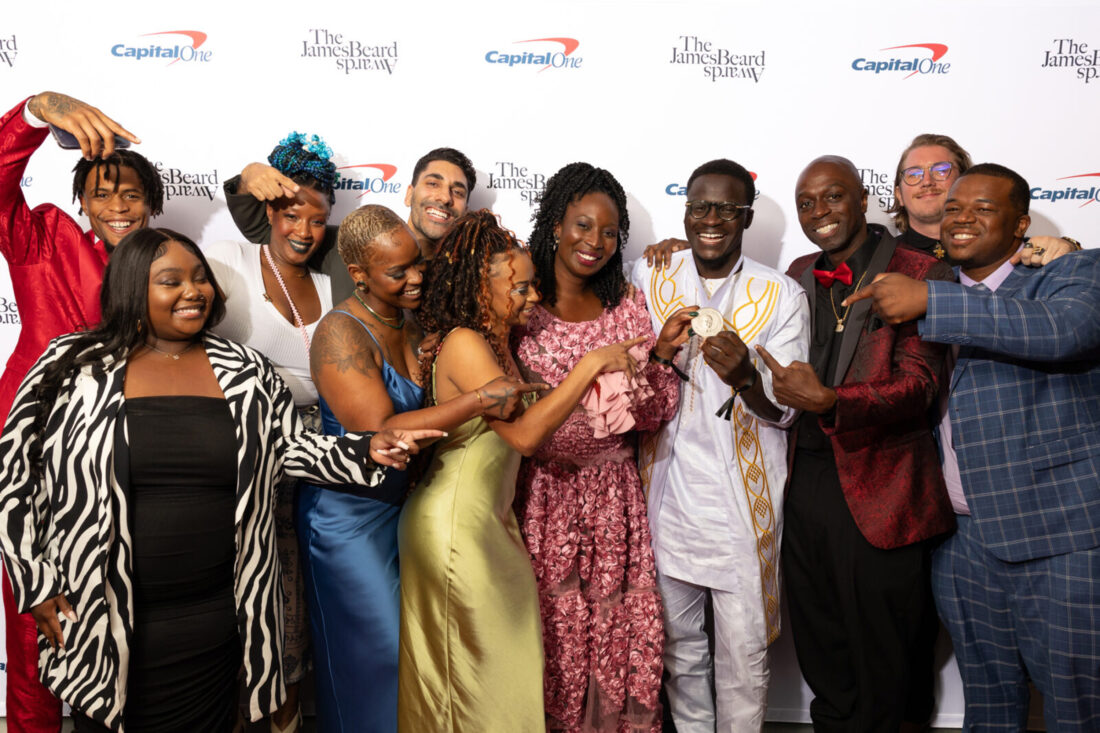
[940, 172]
[727, 210]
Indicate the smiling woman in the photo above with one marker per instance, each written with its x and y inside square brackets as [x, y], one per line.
[149, 622]
[275, 298]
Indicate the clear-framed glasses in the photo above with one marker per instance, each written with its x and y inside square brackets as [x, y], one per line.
[727, 210]
[940, 172]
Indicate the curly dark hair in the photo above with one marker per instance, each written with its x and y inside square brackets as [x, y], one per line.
[108, 168]
[457, 281]
[124, 303]
[565, 187]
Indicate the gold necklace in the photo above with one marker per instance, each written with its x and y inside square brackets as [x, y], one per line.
[832, 303]
[176, 355]
[384, 320]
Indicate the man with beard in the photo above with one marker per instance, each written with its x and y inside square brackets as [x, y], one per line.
[56, 271]
[716, 527]
[1019, 432]
[442, 181]
[866, 493]
[925, 172]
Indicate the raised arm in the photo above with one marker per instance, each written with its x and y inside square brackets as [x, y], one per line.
[466, 361]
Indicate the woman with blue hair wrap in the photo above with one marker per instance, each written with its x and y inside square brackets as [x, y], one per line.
[274, 299]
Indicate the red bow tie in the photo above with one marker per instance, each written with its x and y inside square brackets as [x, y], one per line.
[827, 277]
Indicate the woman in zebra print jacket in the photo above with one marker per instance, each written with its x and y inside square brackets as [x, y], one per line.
[67, 507]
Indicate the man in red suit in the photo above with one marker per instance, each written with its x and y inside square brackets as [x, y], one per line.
[56, 270]
[865, 491]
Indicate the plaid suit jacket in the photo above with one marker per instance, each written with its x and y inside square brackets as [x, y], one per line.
[1025, 404]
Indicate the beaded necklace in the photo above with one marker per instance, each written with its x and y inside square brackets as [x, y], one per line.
[293, 309]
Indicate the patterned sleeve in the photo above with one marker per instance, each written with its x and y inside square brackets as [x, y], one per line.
[789, 341]
[24, 504]
[323, 459]
[658, 407]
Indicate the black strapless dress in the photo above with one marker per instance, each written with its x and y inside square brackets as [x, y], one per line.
[185, 654]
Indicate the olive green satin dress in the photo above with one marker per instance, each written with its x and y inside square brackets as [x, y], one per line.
[471, 642]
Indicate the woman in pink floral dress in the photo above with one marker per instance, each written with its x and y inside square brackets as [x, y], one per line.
[580, 501]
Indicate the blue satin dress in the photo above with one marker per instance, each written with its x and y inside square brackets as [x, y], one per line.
[349, 558]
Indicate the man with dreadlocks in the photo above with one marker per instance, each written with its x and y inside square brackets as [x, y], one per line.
[715, 473]
[56, 270]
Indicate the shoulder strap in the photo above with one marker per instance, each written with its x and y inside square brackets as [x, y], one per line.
[357, 320]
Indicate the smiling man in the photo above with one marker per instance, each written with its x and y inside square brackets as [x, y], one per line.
[1016, 585]
[866, 494]
[56, 270]
[715, 474]
[925, 172]
[440, 191]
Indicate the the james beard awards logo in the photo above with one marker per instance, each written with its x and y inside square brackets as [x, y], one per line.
[547, 55]
[1069, 54]
[1086, 193]
[509, 176]
[172, 49]
[180, 183]
[717, 63]
[349, 55]
[9, 49]
[917, 64]
[9, 312]
[879, 185]
[351, 181]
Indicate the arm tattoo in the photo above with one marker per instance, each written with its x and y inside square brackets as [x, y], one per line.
[344, 348]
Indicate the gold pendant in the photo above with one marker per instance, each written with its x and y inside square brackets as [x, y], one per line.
[939, 251]
[840, 326]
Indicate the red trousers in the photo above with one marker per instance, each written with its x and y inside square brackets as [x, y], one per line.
[31, 707]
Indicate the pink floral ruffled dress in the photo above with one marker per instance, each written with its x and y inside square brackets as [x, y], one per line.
[583, 516]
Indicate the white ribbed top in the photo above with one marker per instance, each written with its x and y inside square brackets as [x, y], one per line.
[255, 322]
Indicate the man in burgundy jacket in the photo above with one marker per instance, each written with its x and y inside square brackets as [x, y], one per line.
[56, 270]
[865, 491]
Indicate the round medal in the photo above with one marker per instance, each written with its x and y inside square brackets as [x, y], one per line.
[708, 323]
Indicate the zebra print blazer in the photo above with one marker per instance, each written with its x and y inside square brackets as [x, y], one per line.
[69, 531]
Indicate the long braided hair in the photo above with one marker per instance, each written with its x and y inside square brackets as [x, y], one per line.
[457, 282]
[568, 185]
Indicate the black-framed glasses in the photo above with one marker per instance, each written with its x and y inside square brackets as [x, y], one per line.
[939, 171]
[727, 210]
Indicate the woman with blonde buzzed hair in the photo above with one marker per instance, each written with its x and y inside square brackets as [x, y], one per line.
[364, 362]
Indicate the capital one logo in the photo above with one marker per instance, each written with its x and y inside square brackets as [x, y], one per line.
[184, 47]
[926, 61]
[678, 189]
[371, 184]
[1089, 194]
[546, 55]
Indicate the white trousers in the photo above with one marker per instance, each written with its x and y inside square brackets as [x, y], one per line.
[738, 674]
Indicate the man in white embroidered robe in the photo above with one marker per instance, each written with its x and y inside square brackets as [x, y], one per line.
[715, 481]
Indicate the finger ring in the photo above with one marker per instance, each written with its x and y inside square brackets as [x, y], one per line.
[1038, 250]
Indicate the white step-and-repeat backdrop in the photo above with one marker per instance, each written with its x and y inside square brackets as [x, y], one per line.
[646, 88]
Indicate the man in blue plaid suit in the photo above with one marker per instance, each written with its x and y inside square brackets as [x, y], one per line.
[1018, 585]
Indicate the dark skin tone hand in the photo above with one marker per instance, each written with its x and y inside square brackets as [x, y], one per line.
[896, 298]
[796, 385]
[660, 255]
[45, 616]
[94, 130]
[728, 356]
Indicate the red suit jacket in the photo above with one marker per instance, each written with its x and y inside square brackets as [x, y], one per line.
[56, 268]
[881, 431]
